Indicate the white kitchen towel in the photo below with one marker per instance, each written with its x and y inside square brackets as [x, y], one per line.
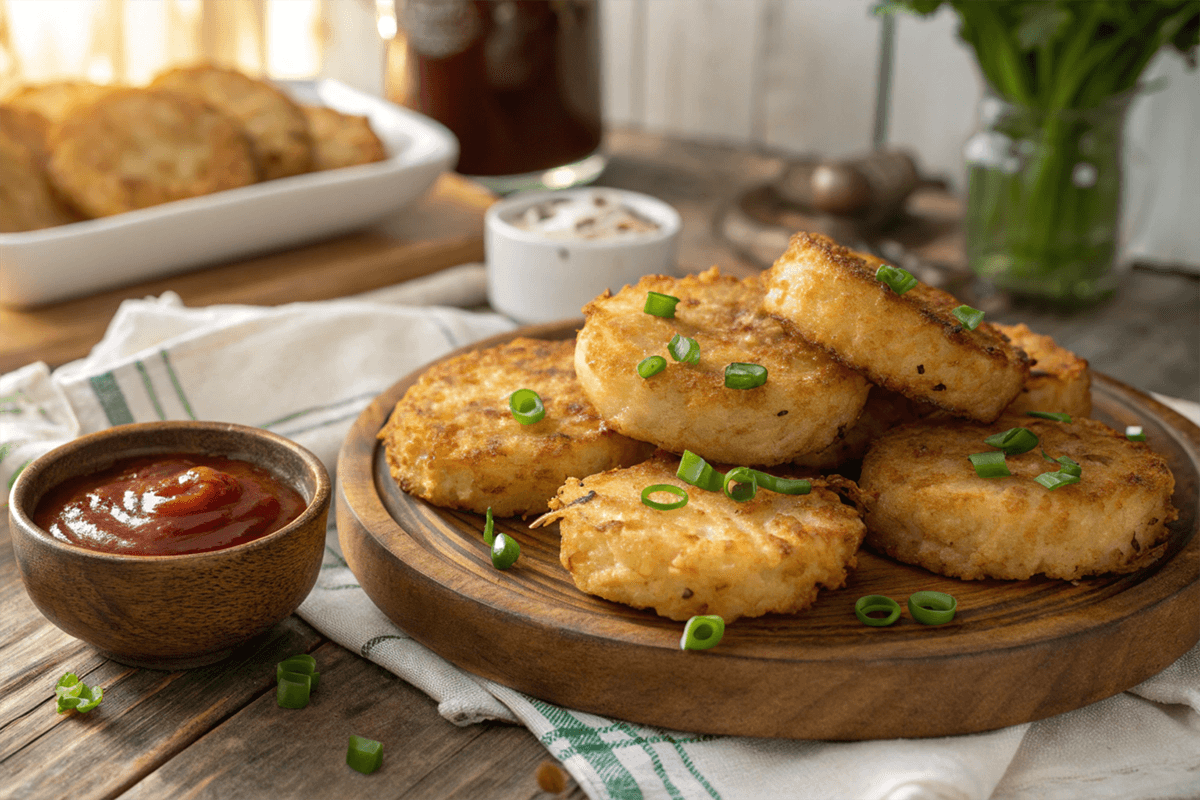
[306, 370]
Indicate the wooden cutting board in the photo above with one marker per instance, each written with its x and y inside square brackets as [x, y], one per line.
[1017, 650]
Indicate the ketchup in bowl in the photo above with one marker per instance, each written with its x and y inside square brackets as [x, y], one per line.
[168, 505]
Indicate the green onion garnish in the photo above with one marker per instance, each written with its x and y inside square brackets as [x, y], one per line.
[990, 464]
[898, 280]
[505, 551]
[1134, 433]
[364, 755]
[660, 305]
[744, 376]
[72, 693]
[1057, 416]
[932, 608]
[489, 528]
[300, 664]
[873, 603]
[702, 632]
[969, 317]
[292, 690]
[685, 349]
[696, 471]
[782, 485]
[1069, 467]
[1053, 480]
[1013, 441]
[744, 482]
[669, 489]
[650, 366]
[526, 406]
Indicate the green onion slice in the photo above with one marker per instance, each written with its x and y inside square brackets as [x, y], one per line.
[969, 317]
[1013, 441]
[898, 280]
[1056, 416]
[651, 366]
[72, 693]
[870, 604]
[744, 376]
[1069, 467]
[782, 485]
[932, 608]
[744, 482]
[505, 551]
[1134, 433]
[685, 349]
[526, 406]
[989, 465]
[299, 664]
[1053, 480]
[660, 305]
[697, 472]
[669, 489]
[364, 755]
[489, 528]
[702, 632]
[292, 690]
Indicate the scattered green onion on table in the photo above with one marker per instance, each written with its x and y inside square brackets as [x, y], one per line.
[702, 632]
[364, 755]
[932, 608]
[71, 693]
[505, 551]
[870, 604]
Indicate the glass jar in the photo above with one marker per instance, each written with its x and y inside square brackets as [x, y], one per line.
[1044, 198]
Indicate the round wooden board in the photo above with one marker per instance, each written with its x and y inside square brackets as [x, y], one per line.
[1016, 651]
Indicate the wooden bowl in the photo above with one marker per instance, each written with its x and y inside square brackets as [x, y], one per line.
[171, 611]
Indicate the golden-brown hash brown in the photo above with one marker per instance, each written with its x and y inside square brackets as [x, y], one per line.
[883, 411]
[341, 140]
[140, 147]
[1058, 379]
[278, 130]
[908, 343]
[56, 100]
[712, 556]
[807, 401]
[927, 506]
[453, 441]
[29, 128]
[27, 200]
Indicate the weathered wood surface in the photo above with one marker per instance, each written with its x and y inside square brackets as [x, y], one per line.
[1017, 651]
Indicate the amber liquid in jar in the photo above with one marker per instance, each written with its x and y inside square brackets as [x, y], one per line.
[517, 81]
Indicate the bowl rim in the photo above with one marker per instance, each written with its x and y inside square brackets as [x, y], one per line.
[660, 211]
[322, 490]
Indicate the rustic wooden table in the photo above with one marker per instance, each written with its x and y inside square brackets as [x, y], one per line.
[216, 732]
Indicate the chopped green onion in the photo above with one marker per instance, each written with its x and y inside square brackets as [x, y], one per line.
[1134, 433]
[969, 317]
[745, 484]
[702, 632]
[989, 465]
[669, 489]
[505, 551]
[72, 693]
[1056, 416]
[651, 366]
[684, 349]
[660, 305]
[1013, 441]
[744, 376]
[932, 608]
[489, 528]
[300, 664]
[898, 280]
[1069, 467]
[869, 604]
[696, 471]
[1053, 480]
[292, 690]
[526, 406]
[782, 485]
[364, 755]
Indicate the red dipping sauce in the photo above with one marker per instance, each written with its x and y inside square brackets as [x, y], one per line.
[168, 504]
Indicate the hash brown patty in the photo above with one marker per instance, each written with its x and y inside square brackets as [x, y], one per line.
[1058, 379]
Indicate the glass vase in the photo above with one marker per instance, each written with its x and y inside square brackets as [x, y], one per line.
[1044, 200]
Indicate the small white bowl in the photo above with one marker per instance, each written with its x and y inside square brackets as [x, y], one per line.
[537, 277]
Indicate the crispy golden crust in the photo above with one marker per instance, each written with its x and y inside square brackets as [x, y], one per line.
[342, 140]
[806, 402]
[908, 343]
[453, 441]
[926, 506]
[135, 148]
[713, 556]
[27, 200]
[29, 128]
[883, 411]
[278, 131]
[56, 100]
[1058, 379]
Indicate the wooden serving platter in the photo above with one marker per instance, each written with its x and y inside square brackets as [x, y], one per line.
[1016, 652]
